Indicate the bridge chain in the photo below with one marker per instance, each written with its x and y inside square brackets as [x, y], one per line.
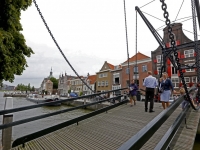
[56, 43]
[173, 44]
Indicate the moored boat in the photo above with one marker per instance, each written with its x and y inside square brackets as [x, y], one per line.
[38, 99]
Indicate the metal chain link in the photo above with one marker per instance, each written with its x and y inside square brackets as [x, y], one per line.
[196, 49]
[38, 9]
[173, 44]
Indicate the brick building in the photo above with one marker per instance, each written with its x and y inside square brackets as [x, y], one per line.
[104, 78]
[186, 56]
[137, 72]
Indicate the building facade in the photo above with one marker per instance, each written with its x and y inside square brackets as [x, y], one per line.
[63, 84]
[91, 82]
[76, 85]
[139, 64]
[104, 78]
[46, 84]
[186, 57]
[117, 77]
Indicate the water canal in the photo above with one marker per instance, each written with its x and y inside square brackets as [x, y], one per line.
[37, 125]
[34, 126]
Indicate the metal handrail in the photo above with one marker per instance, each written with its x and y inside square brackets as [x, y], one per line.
[2, 112]
[43, 132]
[3, 126]
[139, 139]
[168, 137]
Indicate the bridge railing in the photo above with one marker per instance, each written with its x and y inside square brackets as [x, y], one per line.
[26, 138]
[2, 112]
[169, 135]
[32, 136]
[139, 139]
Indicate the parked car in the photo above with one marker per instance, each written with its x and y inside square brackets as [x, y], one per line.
[73, 94]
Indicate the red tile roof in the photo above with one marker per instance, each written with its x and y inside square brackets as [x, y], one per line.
[139, 55]
[92, 79]
[111, 66]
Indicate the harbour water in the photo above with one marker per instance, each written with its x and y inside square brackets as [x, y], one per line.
[37, 125]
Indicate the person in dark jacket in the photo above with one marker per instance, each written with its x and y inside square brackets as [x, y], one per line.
[168, 88]
[133, 92]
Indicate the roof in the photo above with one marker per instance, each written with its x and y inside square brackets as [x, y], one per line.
[111, 66]
[139, 55]
[92, 78]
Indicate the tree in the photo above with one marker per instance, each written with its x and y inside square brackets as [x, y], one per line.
[13, 48]
[29, 87]
[55, 82]
[81, 93]
[69, 91]
[33, 88]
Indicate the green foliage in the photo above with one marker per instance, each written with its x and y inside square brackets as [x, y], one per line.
[29, 87]
[22, 87]
[81, 93]
[13, 48]
[55, 82]
[33, 88]
[69, 91]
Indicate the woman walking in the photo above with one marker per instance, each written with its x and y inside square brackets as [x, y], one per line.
[167, 86]
[133, 92]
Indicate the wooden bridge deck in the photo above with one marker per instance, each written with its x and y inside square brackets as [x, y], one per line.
[105, 131]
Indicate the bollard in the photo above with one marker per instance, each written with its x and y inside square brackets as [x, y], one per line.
[7, 118]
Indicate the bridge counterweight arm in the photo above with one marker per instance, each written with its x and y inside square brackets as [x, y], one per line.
[151, 28]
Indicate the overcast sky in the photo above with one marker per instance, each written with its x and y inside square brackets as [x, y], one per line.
[89, 33]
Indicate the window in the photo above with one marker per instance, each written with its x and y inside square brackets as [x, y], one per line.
[127, 70]
[174, 71]
[101, 75]
[144, 68]
[99, 83]
[187, 79]
[116, 67]
[194, 80]
[102, 83]
[158, 69]
[135, 69]
[158, 58]
[116, 78]
[106, 83]
[189, 53]
[127, 83]
[189, 70]
[175, 82]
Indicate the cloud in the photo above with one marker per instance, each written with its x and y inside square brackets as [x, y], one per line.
[46, 57]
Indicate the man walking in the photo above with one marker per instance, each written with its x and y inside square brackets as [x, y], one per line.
[150, 83]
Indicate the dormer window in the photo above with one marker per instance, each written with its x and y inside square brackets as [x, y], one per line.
[116, 67]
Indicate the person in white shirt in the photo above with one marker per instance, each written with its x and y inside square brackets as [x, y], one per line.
[150, 83]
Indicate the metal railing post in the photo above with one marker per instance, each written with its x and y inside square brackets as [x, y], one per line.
[7, 118]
